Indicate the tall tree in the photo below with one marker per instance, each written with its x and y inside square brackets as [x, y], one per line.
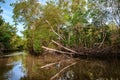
[103, 12]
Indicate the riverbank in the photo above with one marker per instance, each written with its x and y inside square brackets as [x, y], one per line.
[11, 54]
[9, 51]
[109, 52]
[104, 53]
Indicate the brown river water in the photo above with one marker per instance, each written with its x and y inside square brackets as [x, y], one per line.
[26, 67]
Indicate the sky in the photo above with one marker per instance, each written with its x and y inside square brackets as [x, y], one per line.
[8, 13]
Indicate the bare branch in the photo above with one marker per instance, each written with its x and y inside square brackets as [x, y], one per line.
[54, 50]
[64, 47]
[62, 70]
[54, 30]
[48, 65]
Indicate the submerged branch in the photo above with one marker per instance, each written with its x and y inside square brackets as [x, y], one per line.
[48, 65]
[62, 70]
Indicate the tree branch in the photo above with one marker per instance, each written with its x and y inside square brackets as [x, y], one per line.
[62, 70]
[62, 52]
[64, 47]
[54, 30]
[48, 65]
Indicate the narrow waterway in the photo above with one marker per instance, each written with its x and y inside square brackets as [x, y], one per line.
[25, 67]
[12, 66]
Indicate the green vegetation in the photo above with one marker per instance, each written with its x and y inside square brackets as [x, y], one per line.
[73, 23]
[82, 29]
[8, 38]
[76, 24]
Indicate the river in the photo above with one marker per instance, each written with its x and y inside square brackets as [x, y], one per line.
[25, 67]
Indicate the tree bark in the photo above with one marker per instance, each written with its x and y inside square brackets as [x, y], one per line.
[54, 50]
[64, 47]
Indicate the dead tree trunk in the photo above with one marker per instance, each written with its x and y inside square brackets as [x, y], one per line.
[58, 51]
[64, 47]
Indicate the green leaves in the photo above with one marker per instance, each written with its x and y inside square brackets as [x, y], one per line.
[79, 17]
[7, 32]
[68, 21]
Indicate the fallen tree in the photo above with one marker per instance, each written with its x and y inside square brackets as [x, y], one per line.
[108, 52]
[70, 50]
[55, 50]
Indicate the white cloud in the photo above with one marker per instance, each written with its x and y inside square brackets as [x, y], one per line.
[8, 13]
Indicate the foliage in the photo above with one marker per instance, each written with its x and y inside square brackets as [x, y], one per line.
[6, 33]
[74, 23]
[8, 38]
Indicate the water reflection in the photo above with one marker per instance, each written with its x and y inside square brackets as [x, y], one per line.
[17, 72]
[12, 68]
[3, 68]
[93, 70]
[83, 70]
